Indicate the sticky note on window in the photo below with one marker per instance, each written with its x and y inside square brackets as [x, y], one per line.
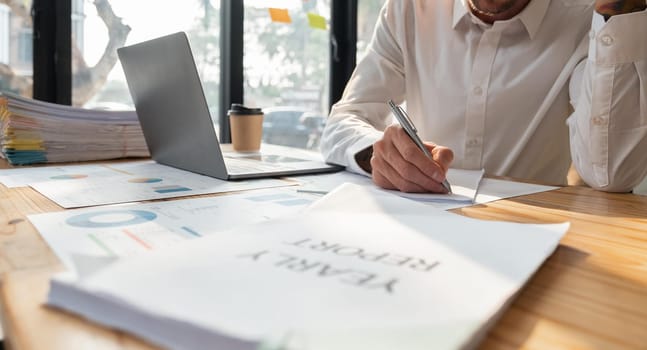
[280, 15]
[316, 21]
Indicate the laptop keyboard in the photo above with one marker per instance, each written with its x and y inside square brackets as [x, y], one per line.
[238, 165]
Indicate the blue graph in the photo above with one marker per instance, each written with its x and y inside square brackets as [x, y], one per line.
[126, 218]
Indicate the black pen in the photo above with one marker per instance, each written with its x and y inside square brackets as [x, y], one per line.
[411, 130]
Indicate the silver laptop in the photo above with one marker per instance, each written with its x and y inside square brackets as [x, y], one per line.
[174, 116]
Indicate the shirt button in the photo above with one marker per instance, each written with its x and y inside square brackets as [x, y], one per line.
[472, 142]
[477, 91]
[606, 40]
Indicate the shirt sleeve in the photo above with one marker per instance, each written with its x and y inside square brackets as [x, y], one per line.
[608, 129]
[359, 118]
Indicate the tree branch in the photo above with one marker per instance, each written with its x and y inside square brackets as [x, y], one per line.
[19, 9]
[88, 81]
[16, 83]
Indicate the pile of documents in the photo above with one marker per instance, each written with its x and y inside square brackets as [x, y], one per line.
[33, 131]
[395, 275]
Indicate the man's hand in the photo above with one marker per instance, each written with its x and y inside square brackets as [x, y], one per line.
[609, 8]
[398, 164]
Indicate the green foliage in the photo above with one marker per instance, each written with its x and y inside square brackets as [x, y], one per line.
[205, 44]
[368, 12]
[278, 56]
[296, 54]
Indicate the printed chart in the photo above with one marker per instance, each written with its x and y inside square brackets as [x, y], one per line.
[138, 181]
[126, 230]
[69, 177]
[21, 177]
[145, 180]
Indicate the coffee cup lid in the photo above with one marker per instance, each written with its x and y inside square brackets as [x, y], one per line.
[237, 108]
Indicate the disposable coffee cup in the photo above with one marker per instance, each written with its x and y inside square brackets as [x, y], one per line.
[246, 125]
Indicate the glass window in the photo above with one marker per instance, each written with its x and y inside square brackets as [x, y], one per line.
[25, 46]
[286, 68]
[16, 48]
[367, 13]
[4, 33]
[102, 26]
[78, 19]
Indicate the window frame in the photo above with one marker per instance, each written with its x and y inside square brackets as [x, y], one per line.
[52, 55]
[52, 52]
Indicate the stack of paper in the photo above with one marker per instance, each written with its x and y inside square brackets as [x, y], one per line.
[33, 131]
[376, 272]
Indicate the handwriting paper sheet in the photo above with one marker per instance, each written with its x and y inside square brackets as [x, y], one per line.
[465, 184]
[495, 189]
[487, 190]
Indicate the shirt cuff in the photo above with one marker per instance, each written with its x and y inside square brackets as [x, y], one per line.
[620, 40]
[363, 143]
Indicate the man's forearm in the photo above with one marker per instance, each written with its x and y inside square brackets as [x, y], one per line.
[608, 128]
[609, 8]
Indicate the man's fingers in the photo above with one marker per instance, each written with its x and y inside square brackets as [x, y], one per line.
[382, 181]
[398, 163]
[443, 156]
[386, 176]
[388, 154]
[408, 150]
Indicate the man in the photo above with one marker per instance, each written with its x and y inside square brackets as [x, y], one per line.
[493, 84]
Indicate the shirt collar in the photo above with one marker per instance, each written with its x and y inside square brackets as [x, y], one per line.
[531, 16]
[460, 11]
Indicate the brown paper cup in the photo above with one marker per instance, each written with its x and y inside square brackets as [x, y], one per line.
[246, 131]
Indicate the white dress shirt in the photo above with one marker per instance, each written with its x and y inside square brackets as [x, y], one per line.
[500, 95]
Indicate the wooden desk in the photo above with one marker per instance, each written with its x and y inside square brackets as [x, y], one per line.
[591, 294]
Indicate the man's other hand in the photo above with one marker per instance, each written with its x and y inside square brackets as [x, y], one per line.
[610, 8]
[398, 164]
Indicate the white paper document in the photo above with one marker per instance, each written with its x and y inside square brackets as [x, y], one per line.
[131, 182]
[324, 183]
[465, 184]
[417, 279]
[495, 189]
[127, 230]
[21, 177]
